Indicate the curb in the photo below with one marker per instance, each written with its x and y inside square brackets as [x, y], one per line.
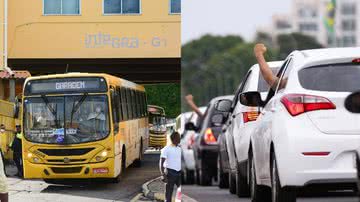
[152, 195]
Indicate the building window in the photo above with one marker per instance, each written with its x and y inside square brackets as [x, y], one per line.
[175, 6]
[305, 27]
[349, 41]
[121, 6]
[307, 12]
[348, 9]
[61, 7]
[348, 25]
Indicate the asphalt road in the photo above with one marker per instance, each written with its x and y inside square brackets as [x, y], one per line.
[128, 188]
[214, 194]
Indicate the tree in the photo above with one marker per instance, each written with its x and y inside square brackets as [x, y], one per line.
[295, 41]
[166, 96]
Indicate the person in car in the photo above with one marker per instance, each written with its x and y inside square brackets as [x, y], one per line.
[259, 51]
[190, 101]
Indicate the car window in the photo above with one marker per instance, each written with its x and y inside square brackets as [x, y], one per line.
[283, 79]
[247, 82]
[333, 78]
[242, 88]
[271, 92]
[263, 86]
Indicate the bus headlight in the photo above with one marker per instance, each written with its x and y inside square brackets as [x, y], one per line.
[100, 157]
[29, 155]
[36, 160]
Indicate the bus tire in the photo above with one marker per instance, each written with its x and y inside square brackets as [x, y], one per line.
[118, 178]
[138, 161]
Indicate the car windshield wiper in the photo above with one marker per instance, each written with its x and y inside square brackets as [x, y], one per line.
[52, 110]
[77, 106]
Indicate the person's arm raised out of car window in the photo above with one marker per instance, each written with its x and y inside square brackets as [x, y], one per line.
[259, 51]
[190, 101]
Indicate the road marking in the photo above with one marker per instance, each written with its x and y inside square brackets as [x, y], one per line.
[136, 198]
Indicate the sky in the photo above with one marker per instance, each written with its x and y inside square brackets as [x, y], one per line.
[222, 17]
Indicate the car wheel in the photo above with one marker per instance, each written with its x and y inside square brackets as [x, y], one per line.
[222, 177]
[196, 175]
[189, 177]
[242, 187]
[258, 193]
[204, 177]
[278, 193]
[358, 173]
[232, 183]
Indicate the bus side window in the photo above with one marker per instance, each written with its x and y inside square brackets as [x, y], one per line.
[141, 105]
[115, 110]
[145, 104]
[128, 101]
[119, 104]
[138, 109]
[123, 104]
[133, 104]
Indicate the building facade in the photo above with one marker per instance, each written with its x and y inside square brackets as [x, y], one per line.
[308, 17]
[128, 38]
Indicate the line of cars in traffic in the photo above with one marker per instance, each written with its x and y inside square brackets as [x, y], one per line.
[271, 142]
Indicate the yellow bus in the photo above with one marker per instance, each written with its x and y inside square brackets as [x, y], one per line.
[80, 125]
[157, 127]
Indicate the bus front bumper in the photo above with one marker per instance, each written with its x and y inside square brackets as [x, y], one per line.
[74, 171]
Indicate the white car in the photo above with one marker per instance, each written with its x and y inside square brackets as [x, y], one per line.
[304, 135]
[187, 139]
[241, 124]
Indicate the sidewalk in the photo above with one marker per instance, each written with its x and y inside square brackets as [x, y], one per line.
[155, 190]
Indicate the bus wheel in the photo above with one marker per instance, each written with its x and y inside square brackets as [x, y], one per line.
[137, 162]
[118, 178]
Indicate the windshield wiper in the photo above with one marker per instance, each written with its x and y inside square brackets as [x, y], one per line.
[52, 110]
[77, 106]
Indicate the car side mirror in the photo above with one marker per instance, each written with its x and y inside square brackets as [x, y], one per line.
[223, 105]
[352, 102]
[190, 126]
[217, 120]
[251, 99]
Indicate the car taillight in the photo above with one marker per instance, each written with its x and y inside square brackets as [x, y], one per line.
[297, 104]
[209, 137]
[250, 116]
[357, 60]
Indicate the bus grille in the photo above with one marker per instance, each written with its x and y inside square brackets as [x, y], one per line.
[58, 170]
[66, 152]
[62, 160]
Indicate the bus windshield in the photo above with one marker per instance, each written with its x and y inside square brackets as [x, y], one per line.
[66, 119]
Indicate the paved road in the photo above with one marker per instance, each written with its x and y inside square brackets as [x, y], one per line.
[214, 194]
[39, 191]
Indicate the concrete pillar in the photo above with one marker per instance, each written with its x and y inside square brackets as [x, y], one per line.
[12, 90]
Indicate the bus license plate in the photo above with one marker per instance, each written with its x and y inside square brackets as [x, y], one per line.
[100, 170]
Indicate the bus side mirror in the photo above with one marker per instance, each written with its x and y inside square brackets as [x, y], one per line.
[352, 102]
[16, 109]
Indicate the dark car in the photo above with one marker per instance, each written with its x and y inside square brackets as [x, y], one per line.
[205, 143]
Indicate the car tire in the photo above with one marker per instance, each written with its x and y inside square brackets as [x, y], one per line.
[258, 193]
[204, 177]
[196, 176]
[232, 183]
[358, 173]
[278, 193]
[187, 176]
[223, 178]
[242, 187]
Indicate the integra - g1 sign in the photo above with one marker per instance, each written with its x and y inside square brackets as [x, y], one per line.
[65, 85]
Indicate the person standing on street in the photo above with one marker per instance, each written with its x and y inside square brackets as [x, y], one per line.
[4, 196]
[170, 165]
[16, 146]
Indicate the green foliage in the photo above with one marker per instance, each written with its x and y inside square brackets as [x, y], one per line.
[165, 95]
[213, 65]
[295, 41]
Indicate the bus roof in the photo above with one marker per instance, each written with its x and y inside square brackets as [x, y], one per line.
[110, 79]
